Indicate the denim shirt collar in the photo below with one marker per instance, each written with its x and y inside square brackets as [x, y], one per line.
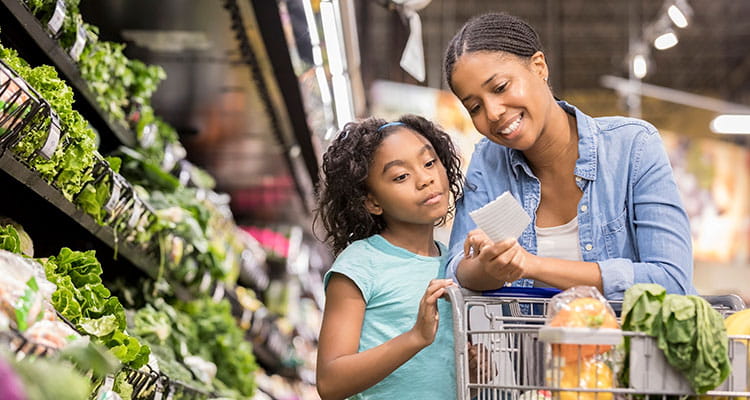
[586, 163]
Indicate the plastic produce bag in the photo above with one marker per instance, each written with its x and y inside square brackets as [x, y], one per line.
[23, 289]
[581, 350]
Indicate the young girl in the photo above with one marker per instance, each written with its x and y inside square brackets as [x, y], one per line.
[385, 187]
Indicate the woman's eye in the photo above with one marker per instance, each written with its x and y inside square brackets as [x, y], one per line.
[473, 110]
[501, 88]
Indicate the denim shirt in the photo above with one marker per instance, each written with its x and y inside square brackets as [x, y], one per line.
[630, 217]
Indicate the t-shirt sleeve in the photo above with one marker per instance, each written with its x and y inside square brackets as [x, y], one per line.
[360, 274]
[475, 196]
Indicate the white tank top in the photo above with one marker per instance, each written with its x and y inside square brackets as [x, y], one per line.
[559, 241]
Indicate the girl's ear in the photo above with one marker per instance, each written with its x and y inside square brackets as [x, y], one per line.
[372, 206]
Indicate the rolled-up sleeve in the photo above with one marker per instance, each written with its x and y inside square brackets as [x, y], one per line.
[662, 229]
[474, 196]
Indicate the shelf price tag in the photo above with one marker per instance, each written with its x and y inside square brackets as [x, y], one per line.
[148, 136]
[114, 196]
[246, 319]
[75, 51]
[105, 390]
[58, 16]
[136, 213]
[205, 282]
[218, 292]
[53, 137]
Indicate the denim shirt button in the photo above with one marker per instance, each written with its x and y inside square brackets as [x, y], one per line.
[578, 179]
[589, 247]
[584, 208]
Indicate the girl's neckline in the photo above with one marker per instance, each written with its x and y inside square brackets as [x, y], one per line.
[382, 243]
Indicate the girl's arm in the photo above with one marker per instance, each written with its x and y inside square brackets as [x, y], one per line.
[341, 370]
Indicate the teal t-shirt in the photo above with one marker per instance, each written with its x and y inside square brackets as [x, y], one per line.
[392, 281]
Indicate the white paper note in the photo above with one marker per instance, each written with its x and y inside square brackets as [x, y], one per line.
[501, 218]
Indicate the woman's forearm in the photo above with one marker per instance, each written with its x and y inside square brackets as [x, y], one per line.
[564, 274]
[471, 275]
[354, 373]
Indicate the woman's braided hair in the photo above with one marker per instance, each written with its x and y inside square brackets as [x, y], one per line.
[492, 32]
[342, 191]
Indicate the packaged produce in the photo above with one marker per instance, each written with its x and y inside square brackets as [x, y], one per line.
[580, 307]
[581, 332]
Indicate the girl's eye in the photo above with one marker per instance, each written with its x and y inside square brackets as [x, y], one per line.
[430, 163]
[473, 110]
[400, 178]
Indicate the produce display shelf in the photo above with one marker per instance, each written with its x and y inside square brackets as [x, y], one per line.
[27, 35]
[53, 196]
[270, 345]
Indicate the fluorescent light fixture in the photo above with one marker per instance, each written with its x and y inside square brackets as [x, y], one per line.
[640, 67]
[342, 100]
[677, 17]
[736, 124]
[333, 46]
[665, 41]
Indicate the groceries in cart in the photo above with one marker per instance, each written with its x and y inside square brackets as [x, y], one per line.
[582, 331]
[584, 347]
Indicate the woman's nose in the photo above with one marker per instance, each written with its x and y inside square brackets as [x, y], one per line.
[494, 111]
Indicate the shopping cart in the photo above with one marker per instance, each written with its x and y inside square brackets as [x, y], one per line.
[514, 363]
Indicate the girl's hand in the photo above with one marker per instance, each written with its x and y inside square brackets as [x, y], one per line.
[427, 319]
[481, 365]
[505, 260]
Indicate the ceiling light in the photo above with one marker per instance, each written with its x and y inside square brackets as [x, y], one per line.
[731, 124]
[640, 67]
[679, 12]
[665, 40]
[677, 17]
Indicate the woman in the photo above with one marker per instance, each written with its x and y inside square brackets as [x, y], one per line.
[604, 205]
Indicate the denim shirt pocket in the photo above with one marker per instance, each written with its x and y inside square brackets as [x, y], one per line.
[616, 238]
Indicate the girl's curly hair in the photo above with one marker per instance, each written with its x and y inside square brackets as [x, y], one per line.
[346, 164]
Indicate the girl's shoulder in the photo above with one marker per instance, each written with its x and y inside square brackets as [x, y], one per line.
[359, 252]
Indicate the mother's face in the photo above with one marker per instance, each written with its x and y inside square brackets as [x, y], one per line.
[507, 96]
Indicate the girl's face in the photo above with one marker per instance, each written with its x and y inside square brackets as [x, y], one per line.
[407, 182]
[507, 97]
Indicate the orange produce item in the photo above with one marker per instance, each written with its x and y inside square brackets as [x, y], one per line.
[587, 374]
[584, 312]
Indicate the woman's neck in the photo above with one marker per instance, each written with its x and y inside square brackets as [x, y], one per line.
[418, 239]
[556, 150]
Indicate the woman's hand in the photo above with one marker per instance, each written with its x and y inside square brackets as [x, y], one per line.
[474, 242]
[505, 260]
[427, 319]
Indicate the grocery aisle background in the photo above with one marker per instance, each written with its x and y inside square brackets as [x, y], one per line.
[181, 142]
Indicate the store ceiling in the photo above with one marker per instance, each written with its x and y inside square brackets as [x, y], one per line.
[585, 40]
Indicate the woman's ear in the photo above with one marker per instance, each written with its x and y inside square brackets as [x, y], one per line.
[372, 206]
[538, 65]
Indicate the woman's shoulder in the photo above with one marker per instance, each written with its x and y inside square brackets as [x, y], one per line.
[618, 125]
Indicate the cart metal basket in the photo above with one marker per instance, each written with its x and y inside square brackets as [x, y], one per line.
[514, 360]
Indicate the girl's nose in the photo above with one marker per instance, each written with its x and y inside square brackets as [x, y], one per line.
[426, 179]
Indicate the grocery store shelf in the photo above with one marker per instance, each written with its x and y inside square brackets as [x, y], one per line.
[23, 32]
[32, 180]
[267, 55]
